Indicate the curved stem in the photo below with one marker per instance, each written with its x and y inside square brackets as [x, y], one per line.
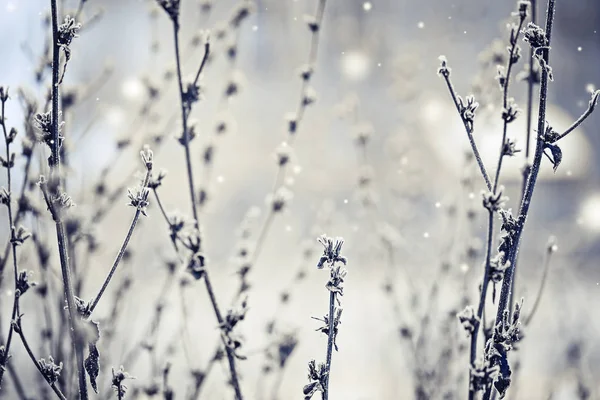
[583, 117]
[538, 297]
[35, 361]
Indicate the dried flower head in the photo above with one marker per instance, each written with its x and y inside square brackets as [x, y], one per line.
[171, 7]
[331, 251]
[138, 198]
[444, 70]
[317, 377]
[281, 199]
[147, 157]
[117, 381]
[67, 31]
[50, 370]
[23, 283]
[468, 319]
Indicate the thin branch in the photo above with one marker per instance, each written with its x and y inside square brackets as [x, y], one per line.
[481, 306]
[583, 117]
[505, 105]
[203, 62]
[469, 131]
[186, 145]
[547, 258]
[526, 203]
[13, 241]
[55, 178]
[132, 226]
[19, 330]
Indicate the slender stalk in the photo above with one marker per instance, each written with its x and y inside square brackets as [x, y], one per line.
[547, 258]
[525, 204]
[19, 330]
[18, 215]
[132, 226]
[530, 85]
[505, 99]
[583, 117]
[312, 58]
[9, 339]
[184, 121]
[481, 306]
[60, 230]
[469, 131]
[186, 145]
[490, 234]
[13, 243]
[330, 340]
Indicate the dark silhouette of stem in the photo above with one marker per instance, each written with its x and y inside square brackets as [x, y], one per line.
[60, 230]
[482, 298]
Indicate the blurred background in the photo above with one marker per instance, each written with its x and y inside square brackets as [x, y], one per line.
[381, 158]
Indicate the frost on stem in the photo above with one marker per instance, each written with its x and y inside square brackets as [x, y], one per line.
[331, 251]
[509, 114]
[325, 327]
[506, 334]
[468, 319]
[43, 124]
[233, 317]
[317, 377]
[138, 198]
[467, 110]
[117, 381]
[549, 139]
[498, 266]
[493, 202]
[67, 31]
[23, 282]
[536, 37]
[481, 376]
[50, 370]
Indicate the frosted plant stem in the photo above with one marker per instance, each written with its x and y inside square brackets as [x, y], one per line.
[186, 145]
[481, 306]
[330, 340]
[469, 131]
[122, 250]
[531, 181]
